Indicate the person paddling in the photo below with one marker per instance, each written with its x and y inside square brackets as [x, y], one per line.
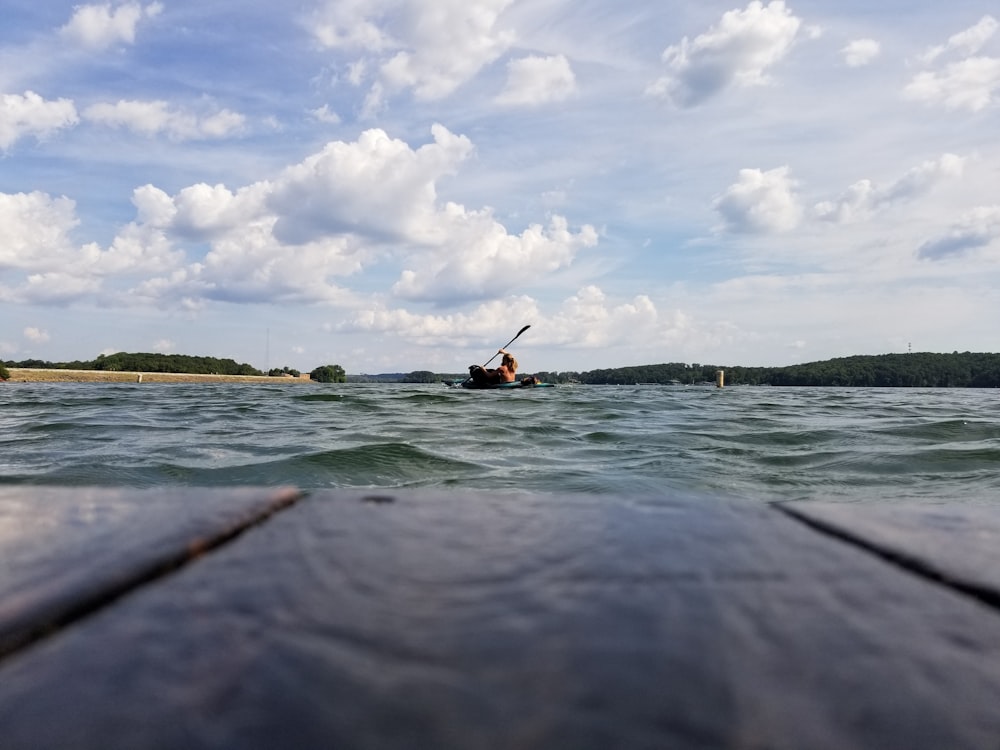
[505, 373]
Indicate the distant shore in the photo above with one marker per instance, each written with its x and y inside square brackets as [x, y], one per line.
[31, 375]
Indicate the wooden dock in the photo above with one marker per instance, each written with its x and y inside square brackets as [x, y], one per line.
[242, 618]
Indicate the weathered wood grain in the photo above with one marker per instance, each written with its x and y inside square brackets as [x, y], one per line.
[421, 619]
[66, 552]
[958, 545]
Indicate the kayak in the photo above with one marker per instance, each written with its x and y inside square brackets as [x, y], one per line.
[467, 383]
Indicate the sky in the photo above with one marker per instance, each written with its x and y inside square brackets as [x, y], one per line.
[398, 185]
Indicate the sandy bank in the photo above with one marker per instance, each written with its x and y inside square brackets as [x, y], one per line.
[23, 375]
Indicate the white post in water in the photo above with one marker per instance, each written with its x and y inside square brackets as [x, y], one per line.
[138, 378]
[720, 378]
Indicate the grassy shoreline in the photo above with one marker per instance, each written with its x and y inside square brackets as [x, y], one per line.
[31, 375]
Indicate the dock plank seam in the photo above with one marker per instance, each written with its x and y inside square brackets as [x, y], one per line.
[913, 564]
[62, 615]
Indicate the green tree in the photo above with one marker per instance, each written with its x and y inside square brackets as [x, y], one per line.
[329, 374]
[421, 376]
[4, 373]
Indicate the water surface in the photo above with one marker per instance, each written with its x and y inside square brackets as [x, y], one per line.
[766, 444]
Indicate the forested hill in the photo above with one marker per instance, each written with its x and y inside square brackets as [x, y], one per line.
[145, 362]
[916, 370]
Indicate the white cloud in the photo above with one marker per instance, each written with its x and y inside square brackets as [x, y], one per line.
[588, 320]
[969, 84]
[481, 260]
[377, 187]
[430, 329]
[538, 80]
[203, 211]
[864, 198]
[36, 335]
[967, 42]
[102, 26]
[31, 115]
[164, 345]
[150, 118]
[428, 48]
[37, 250]
[350, 24]
[738, 51]
[244, 262]
[337, 211]
[35, 231]
[326, 115]
[977, 229]
[860, 52]
[760, 202]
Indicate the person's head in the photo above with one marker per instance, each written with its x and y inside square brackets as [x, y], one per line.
[509, 362]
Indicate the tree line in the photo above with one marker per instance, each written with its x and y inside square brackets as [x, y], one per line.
[916, 370]
[172, 363]
[147, 362]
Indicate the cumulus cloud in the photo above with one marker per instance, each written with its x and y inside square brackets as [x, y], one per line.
[101, 26]
[377, 187]
[36, 335]
[480, 323]
[760, 202]
[864, 198]
[151, 118]
[538, 80]
[38, 252]
[738, 51]
[588, 319]
[35, 231]
[480, 259]
[428, 48]
[970, 83]
[860, 52]
[345, 207]
[977, 229]
[31, 115]
[351, 205]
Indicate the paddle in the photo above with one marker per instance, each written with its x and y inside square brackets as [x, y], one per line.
[508, 343]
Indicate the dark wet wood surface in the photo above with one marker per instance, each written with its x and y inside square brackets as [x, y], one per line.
[64, 553]
[958, 545]
[430, 620]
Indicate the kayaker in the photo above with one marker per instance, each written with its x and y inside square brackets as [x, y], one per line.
[505, 373]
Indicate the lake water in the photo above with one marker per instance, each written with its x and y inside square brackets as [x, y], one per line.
[767, 444]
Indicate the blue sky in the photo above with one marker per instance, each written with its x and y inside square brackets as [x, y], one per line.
[393, 185]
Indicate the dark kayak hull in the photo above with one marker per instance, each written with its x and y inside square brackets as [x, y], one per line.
[497, 386]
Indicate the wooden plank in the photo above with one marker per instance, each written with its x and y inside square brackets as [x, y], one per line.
[957, 545]
[66, 552]
[417, 619]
